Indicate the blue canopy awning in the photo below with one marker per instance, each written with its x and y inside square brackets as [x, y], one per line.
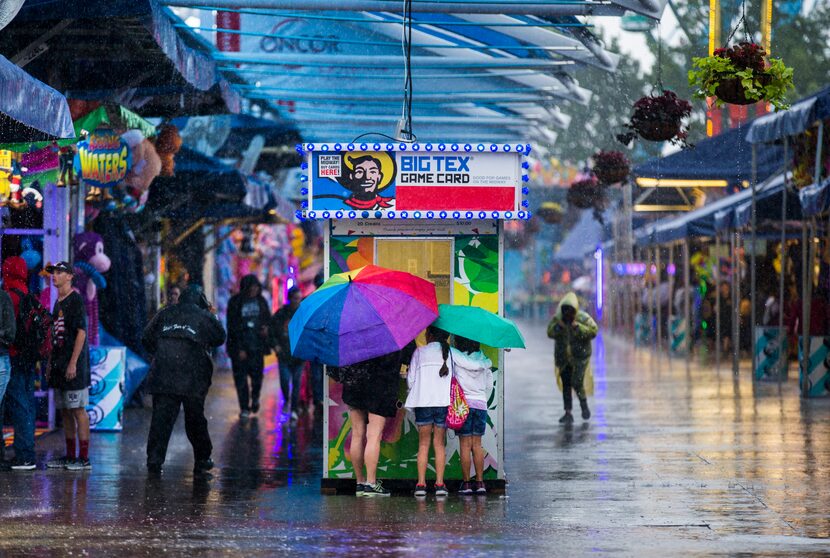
[798, 118]
[726, 213]
[227, 136]
[727, 156]
[815, 199]
[30, 110]
[122, 51]
[582, 239]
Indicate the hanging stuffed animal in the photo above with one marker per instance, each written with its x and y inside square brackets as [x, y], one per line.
[168, 143]
[146, 166]
[31, 256]
[90, 263]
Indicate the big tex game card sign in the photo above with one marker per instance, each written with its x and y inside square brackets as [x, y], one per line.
[415, 181]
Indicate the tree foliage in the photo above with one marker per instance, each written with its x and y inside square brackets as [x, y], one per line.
[802, 41]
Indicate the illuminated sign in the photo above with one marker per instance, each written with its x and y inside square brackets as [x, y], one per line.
[103, 159]
[415, 181]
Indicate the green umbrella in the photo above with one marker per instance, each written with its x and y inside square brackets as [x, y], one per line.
[479, 325]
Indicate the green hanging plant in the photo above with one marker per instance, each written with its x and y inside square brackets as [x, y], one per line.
[739, 75]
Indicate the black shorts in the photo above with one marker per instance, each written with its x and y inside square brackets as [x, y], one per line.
[378, 396]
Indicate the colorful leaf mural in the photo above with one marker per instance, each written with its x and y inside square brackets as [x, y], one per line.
[475, 283]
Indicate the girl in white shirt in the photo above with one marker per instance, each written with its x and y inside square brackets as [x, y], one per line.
[473, 372]
[430, 373]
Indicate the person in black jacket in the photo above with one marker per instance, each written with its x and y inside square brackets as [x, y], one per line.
[248, 318]
[291, 369]
[180, 337]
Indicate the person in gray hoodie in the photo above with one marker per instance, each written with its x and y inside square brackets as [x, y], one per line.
[473, 371]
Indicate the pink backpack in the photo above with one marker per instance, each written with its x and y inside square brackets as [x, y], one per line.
[458, 410]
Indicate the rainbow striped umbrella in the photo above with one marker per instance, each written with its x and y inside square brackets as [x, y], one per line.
[361, 314]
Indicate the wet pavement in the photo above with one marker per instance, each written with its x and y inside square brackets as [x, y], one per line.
[677, 460]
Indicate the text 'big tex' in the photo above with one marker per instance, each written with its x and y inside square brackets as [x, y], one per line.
[435, 169]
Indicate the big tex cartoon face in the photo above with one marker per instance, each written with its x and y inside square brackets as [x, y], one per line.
[365, 177]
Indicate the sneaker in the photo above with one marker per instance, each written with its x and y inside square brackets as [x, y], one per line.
[244, 414]
[59, 463]
[586, 412]
[441, 490]
[154, 469]
[371, 490]
[466, 488]
[294, 416]
[254, 409]
[21, 465]
[567, 418]
[420, 490]
[480, 488]
[360, 489]
[79, 465]
[203, 466]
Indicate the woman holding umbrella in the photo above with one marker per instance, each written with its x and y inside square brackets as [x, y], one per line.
[363, 322]
[370, 389]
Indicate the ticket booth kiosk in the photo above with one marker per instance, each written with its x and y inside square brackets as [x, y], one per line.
[433, 210]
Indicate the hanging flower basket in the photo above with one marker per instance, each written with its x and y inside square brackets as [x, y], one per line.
[658, 118]
[586, 194]
[611, 167]
[551, 213]
[739, 75]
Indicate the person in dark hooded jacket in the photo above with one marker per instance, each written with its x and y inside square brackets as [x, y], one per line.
[248, 318]
[180, 337]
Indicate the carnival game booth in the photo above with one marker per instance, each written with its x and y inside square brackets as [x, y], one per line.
[802, 131]
[436, 211]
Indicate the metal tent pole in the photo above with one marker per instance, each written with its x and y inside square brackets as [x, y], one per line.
[687, 307]
[671, 316]
[657, 300]
[754, 236]
[652, 294]
[717, 278]
[783, 251]
[808, 258]
[736, 303]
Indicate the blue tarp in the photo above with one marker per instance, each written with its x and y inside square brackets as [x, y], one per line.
[791, 122]
[229, 135]
[582, 239]
[727, 156]
[815, 199]
[30, 110]
[143, 63]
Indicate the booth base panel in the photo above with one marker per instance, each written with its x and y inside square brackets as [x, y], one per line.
[344, 487]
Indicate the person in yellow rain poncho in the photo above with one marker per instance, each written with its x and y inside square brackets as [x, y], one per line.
[572, 330]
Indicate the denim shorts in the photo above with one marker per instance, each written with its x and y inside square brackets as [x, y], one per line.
[475, 424]
[424, 416]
